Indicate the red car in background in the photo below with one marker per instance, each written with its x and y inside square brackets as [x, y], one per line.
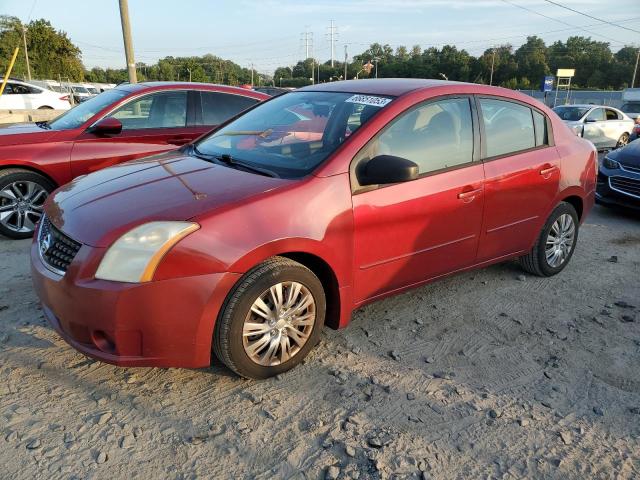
[246, 247]
[128, 122]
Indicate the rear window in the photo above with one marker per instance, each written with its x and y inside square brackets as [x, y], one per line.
[508, 127]
[220, 107]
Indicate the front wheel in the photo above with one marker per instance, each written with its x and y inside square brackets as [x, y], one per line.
[623, 140]
[271, 319]
[22, 196]
[555, 244]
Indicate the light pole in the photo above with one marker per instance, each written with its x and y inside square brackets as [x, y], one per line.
[493, 60]
[635, 69]
[26, 51]
[376, 60]
[128, 43]
[189, 70]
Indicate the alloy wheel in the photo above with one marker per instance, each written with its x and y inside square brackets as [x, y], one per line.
[623, 140]
[560, 240]
[279, 323]
[21, 205]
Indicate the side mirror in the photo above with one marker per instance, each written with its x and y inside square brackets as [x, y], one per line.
[385, 169]
[107, 126]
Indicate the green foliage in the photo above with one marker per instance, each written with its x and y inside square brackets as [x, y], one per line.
[595, 65]
[51, 53]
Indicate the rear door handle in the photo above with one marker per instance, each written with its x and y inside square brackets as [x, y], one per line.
[469, 194]
[548, 171]
[178, 140]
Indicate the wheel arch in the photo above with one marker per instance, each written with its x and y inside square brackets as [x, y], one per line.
[576, 202]
[29, 168]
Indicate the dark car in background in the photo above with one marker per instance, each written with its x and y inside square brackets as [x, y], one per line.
[127, 122]
[619, 177]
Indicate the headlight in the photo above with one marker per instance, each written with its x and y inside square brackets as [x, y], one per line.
[136, 254]
[611, 164]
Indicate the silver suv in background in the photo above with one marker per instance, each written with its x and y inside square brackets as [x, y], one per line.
[605, 127]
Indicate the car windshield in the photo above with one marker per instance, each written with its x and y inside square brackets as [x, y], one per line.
[294, 133]
[571, 114]
[78, 115]
[631, 107]
[80, 90]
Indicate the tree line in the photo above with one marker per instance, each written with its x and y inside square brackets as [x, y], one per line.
[52, 55]
[597, 67]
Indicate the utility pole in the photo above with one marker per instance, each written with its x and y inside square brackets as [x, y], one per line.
[333, 38]
[252, 74]
[189, 70]
[376, 60]
[346, 57]
[26, 52]
[635, 69]
[493, 60]
[307, 39]
[128, 43]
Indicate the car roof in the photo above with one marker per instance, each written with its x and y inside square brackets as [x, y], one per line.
[587, 105]
[380, 86]
[153, 86]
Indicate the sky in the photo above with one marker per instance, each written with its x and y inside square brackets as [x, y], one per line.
[268, 33]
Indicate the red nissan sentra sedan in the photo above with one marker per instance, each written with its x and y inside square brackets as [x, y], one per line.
[130, 121]
[245, 243]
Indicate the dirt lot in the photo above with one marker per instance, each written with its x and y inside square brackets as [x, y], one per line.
[488, 374]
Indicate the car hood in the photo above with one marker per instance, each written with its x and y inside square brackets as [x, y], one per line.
[629, 155]
[24, 133]
[98, 208]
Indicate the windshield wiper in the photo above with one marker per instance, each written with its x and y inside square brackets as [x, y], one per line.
[230, 161]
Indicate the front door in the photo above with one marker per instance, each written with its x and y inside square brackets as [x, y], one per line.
[409, 232]
[151, 124]
[594, 128]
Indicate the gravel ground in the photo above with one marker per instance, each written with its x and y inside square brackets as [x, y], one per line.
[487, 374]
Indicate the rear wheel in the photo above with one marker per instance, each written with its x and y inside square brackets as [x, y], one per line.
[271, 319]
[623, 140]
[22, 196]
[555, 244]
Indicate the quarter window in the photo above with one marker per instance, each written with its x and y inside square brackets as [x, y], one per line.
[435, 135]
[158, 110]
[508, 127]
[220, 107]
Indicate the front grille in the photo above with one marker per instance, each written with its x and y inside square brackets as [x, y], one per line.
[630, 168]
[56, 249]
[625, 185]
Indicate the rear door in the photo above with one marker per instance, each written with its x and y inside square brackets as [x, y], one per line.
[614, 127]
[152, 123]
[409, 232]
[522, 174]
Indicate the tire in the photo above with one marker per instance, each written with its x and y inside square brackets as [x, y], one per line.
[623, 140]
[536, 261]
[13, 182]
[232, 343]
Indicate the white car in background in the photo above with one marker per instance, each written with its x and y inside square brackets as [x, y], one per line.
[605, 127]
[80, 92]
[19, 95]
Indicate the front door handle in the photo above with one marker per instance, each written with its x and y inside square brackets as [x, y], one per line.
[178, 141]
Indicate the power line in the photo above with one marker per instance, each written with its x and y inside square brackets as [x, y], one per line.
[508, 2]
[591, 16]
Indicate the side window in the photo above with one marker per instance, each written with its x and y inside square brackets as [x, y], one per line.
[508, 127]
[596, 115]
[612, 115]
[219, 107]
[8, 89]
[435, 135]
[540, 124]
[157, 110]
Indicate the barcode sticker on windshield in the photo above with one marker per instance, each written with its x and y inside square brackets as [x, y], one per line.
[368, 100]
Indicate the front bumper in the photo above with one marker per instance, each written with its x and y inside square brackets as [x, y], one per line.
[607, 195]
[167, 323]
